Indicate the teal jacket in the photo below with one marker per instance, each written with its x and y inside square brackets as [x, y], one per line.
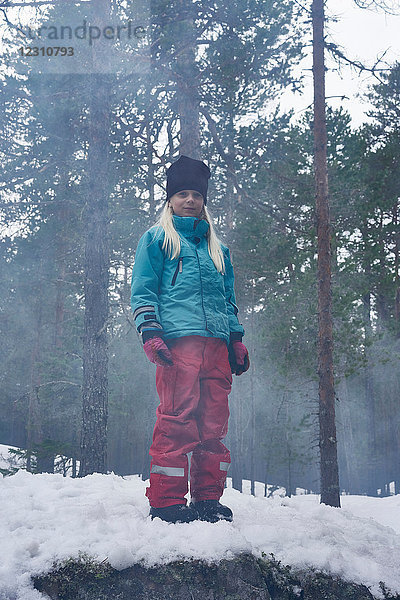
[187, 295]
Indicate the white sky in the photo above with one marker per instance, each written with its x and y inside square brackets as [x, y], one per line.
[363, 35]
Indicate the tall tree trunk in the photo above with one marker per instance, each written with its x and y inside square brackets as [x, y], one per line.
[382, 300]
[61, 242]
[96, 279]
[234, 472]
[327, 427]
[187, 96]
[252, 408]
[150, 167]
[34, 427]
[349, 445]
[395, 212]
[369, 396]
[95, 351]
[238, 468]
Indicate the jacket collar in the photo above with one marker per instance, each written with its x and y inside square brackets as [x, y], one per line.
[190, 226]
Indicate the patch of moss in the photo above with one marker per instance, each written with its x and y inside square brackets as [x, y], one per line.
[320, 586]
[286, 583]
[86, 579]
[282, 583]
[242, 578]
[67, 577]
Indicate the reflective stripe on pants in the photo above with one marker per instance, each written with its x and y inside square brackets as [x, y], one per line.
[170, 471]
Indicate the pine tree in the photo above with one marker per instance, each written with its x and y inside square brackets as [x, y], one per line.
[327, 441]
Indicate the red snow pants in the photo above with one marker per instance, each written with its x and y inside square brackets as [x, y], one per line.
[192, 417]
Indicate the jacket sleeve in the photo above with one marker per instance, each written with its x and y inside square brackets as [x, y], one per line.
[146, 281]
[236, 329]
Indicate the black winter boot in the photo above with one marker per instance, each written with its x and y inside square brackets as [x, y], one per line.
[177, 513]
[212, 511]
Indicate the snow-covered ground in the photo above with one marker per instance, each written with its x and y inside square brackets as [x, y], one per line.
[49, 517]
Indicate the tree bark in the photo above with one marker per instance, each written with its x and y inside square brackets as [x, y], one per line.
[34, 427]
[349, 444]
[61, 242]
[395, 212]
[327, 427]
[96, 278]
[95, 351]
[368, 376]
[252, 400]
[187, 96]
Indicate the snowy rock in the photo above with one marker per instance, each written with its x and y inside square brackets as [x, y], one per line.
[48, 518]
[242, 578]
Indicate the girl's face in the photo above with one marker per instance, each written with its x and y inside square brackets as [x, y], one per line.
[187, 203]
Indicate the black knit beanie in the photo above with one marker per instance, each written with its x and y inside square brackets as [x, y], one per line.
[188, 174]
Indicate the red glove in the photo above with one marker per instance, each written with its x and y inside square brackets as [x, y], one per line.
[238, 358]
[157, 352]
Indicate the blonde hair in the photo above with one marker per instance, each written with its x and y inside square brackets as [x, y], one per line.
[172, 240]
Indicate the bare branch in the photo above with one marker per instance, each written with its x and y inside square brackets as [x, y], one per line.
[374, 70]
[390, 7]
[9, 22]
[62, 381]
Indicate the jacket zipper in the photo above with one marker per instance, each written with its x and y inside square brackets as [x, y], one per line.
[201, 289]
[179, 269]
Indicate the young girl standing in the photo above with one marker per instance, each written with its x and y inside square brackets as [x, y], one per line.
[183, 304]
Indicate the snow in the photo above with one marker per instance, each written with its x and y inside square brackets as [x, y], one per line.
[7, 461]
[50, 517]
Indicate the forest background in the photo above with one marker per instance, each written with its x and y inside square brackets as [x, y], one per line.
[65, 135]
